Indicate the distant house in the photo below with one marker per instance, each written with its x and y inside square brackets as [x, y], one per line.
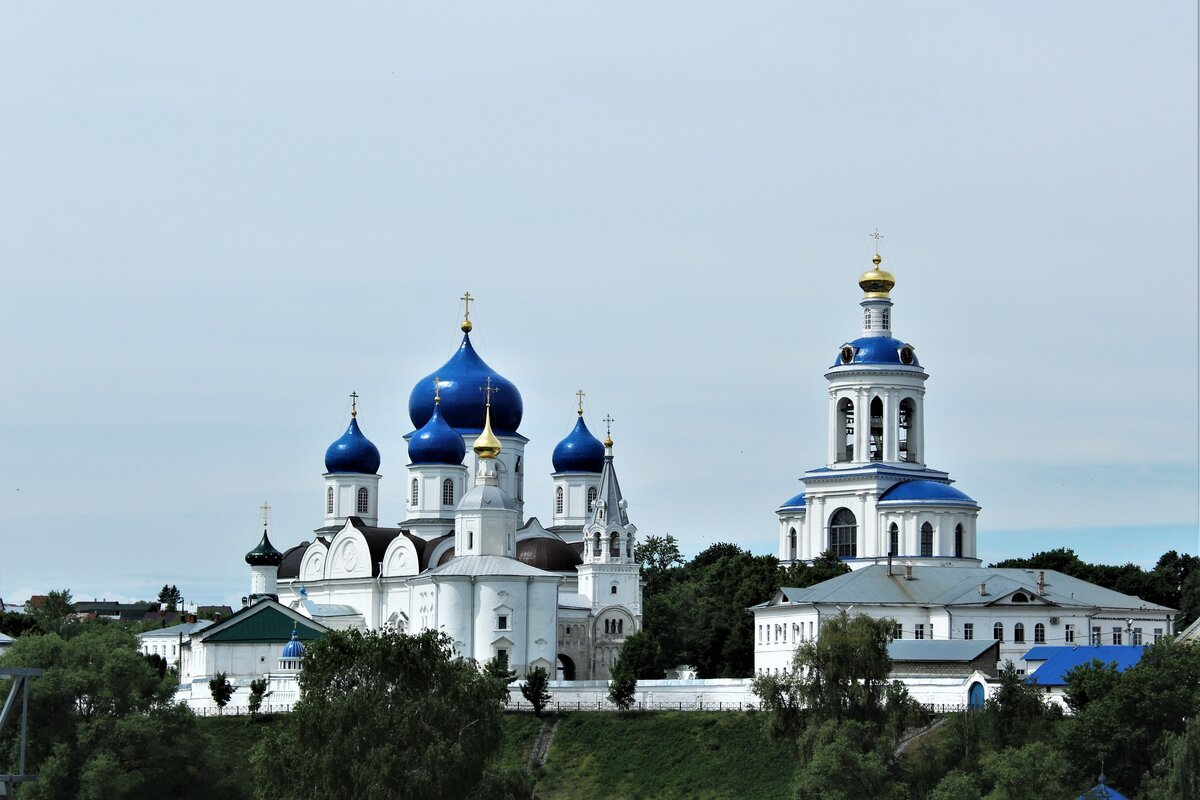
[1049, 665]
[5, 642]
[167, 642]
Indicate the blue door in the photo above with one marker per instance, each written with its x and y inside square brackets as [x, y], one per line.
[975, 696]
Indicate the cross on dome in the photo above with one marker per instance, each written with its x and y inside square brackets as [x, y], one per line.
[354, 404]
[581, 394]
[466, 323]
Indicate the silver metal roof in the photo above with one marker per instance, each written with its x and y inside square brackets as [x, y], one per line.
[957, 650]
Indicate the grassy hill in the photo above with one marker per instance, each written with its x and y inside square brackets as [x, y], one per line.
[668, 754]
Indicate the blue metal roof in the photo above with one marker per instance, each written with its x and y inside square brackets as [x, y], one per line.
[876, 350]
[1059, 660]
[579, 451]
[436, 443]
[352, 453]
[924, 492]
[794, 502]
[462, 403]
[1102, 792]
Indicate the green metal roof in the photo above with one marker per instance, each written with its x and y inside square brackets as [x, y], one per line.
[266, 625]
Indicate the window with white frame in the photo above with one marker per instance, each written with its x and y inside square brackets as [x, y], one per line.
[919, 631]
[363, 504]
[502, 622]
[1069, 633]
[558, 500]
[448, 492]
[1019, 633]
[843, 533]
[1096, 635]
[968, 630]
[329, 500]
[591, 498]
[1158, 633]
[898, 631]
[1039, 634]
[414, 492]
[998, 631]
[927, 540]
[1137, 637]
[1116, 631]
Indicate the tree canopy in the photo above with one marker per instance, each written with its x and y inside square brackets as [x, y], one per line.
[383, 715]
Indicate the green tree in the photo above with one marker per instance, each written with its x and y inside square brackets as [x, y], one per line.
[622, 686]
[14, 624]
[1089, 682]
[258, 690]
[846, 763]
[1035, 771]
[398, 716]
[1016, 713]
[55, 614]
[496, 668]
[658, 557]
[957, 784]
[102, 724]
[824, 567]
[643, 657]
[171, 596]
[535, 690]
[221, 690]
[1176, 776]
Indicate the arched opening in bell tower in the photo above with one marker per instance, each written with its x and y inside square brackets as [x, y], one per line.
[845, 430]
[843, 533]
[792, 544]
[907, 428]
[876, 429]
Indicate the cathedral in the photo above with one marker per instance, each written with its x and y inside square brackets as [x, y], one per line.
[466, 561]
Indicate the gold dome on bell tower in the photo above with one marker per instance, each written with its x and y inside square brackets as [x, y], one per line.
[876, 282]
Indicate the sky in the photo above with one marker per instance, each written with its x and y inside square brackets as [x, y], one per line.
[218, 220]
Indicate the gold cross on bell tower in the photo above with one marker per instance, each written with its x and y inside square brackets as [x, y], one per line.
[266, 509]
[466, 323]
[608, 421]
[581, 394]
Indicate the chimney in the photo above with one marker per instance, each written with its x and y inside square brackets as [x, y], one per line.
[1041, 581]
[889, 563]
[908, 571]
[983, 589]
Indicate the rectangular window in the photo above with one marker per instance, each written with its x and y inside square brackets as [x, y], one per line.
[1096, 635]
[1137, 636]
[898, 631]
[760, 639]
[502, 622]
[1069, 634]
[968, 630]
[1116, 635]
[920, 631]
[1158, 632]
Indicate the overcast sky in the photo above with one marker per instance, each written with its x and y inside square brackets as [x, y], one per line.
[217, 220]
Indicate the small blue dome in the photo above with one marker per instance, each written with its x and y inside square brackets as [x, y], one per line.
[876, 350]
[794, 502]
[436, 443]
[579, 452]
[352, 453]
[462, 402]
[924, 492]
[293, 649]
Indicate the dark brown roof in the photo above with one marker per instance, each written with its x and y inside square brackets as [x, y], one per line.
[290, 566]
[553, 555]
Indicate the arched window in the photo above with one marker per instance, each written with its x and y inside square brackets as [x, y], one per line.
[894, 539]
[958, 541]
[606, 626]
[591, 498]
[1019, 633]
[329, 500]
[998, 631]
[612, 589]
[1020, 597]
[926, 540]
[364, 501]
[843, 533]
[614, 545]
[620, 626]
[792, 544]
[877, 429]
[629, 546]
[413, 492]
[845, 428]
[907, 426]
[558, 500]
[447, 492]
[470, 540]
[1039, 634]
[596, 544]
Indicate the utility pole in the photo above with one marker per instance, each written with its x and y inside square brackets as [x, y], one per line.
[20, 685]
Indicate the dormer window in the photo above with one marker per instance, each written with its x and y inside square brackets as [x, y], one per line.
[1020, 597]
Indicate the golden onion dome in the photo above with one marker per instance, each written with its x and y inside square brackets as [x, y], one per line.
[876, 282]
[487, 445]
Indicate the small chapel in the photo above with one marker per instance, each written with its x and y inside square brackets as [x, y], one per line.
[466, 561]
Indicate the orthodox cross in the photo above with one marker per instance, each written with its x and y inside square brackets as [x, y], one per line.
[876, 236]
[608, 421]
[466, 298]
[580, 394]
[266, 509]
[354, 404]
[437, 390]
[489, 390]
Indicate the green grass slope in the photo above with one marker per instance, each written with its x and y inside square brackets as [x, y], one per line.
[667, 754]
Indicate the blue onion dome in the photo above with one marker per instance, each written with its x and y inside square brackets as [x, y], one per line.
[436, 442]
[294, 648]
[353, 452]
[265, 555]
[794, 502]
[459, 381]
[579, 452]
[876, 350]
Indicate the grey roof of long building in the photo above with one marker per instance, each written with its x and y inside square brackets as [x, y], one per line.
[958, 586]
[939, 649]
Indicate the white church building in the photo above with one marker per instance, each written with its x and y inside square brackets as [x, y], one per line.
[466, 561]
[908, 535]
